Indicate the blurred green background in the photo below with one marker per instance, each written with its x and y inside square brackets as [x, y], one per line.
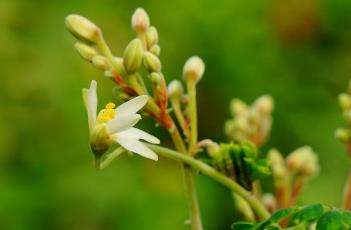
[299, 51]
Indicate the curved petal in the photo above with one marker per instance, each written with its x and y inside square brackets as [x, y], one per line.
[90, 102]
[135, 146]
[132, 106]
[121, 123]
[140, 134]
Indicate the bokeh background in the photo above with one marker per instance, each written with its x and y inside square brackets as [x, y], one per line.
[299, 51]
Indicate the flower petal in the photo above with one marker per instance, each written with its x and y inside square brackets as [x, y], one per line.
[90, 102]
[140, 134]
[132, 106]
[121, 123]
[135, 146]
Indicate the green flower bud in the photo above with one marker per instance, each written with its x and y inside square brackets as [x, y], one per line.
[151, 36]
[264, 104]
[344, 101]
[193, 69]
[175, 90]
[151, 62]
[101, 62]
[83, 29]
[155, 49]
[140, 21]
[343, 135]
[133, 56]
[85, 51]
[237, 107]
[100, 140]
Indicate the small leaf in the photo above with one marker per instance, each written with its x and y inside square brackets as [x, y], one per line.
[308, 213]
[333, 220]
[282, 214]
[242, 226]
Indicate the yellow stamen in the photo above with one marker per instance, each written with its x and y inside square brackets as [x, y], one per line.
[106, 114]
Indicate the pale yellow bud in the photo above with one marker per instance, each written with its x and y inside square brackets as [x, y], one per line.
[175, 90]
[101, 62]
[237, 107]
[303, 161]
[83, 29]
[343, 135]
[140, 21]
[85, 51]
[133, 56]
[269, 202]
[344, 101]
[155, 49]
[151, 36]
[193, 69]
[151, 62]
[277, 164]
[264, 104]
[211, 147]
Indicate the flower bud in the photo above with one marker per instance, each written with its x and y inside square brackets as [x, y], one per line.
[85, 51]
[344, 101]
[151, 36]
[212, 147]
[175, 89]
[347, 115]
[277, 163]
[140, 21]
[303, 161]
[343, 135]
[269, 202]
[264, 104]
[151, 62]
[133, 56]
[100, 140]
[237, 107]
[101, 62]
[193, 69]
[155, 49]
[83, 29]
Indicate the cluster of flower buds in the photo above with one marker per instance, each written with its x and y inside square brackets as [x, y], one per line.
[344, 134]
[142, 53]
[250, 123]
[291, 173]
[237, 161]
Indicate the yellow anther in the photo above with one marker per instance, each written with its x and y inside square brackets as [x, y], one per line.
[110, 105]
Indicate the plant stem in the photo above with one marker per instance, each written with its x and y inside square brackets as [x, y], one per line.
[347, 194]
[191, 87]
[189, 181]
[243, 208]
[255, 204]
[180, 117]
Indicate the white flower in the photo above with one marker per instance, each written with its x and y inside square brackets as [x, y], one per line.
[116, 125]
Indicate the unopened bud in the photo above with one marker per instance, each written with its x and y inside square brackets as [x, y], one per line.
[85, 51]
[175, 89]
[345, 101]
[83, 29]
[151, 36]
[155, 49]
[156, 78]
[347, 115]
[140, 21]
[264, 104]
[118, 64]
[237, 107]
[193, 69]
[212, 147]
[304, 161]
[343, 135]
[277, 164]
[101, 62]
[269, 202]
[133, 56]
[151, 62]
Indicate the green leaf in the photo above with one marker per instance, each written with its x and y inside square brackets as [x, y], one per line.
[308, 213]
[242, 226]
[282, 214]
[333, 220]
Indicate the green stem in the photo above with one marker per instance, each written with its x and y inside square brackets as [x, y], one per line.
[195, 216]
[255, 204]
[191, 87]
[243, 208]
[104, 161]
[180, 117]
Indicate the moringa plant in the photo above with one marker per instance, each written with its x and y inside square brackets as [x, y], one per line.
[237, 164]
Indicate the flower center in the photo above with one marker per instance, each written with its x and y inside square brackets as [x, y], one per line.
[106, 114]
